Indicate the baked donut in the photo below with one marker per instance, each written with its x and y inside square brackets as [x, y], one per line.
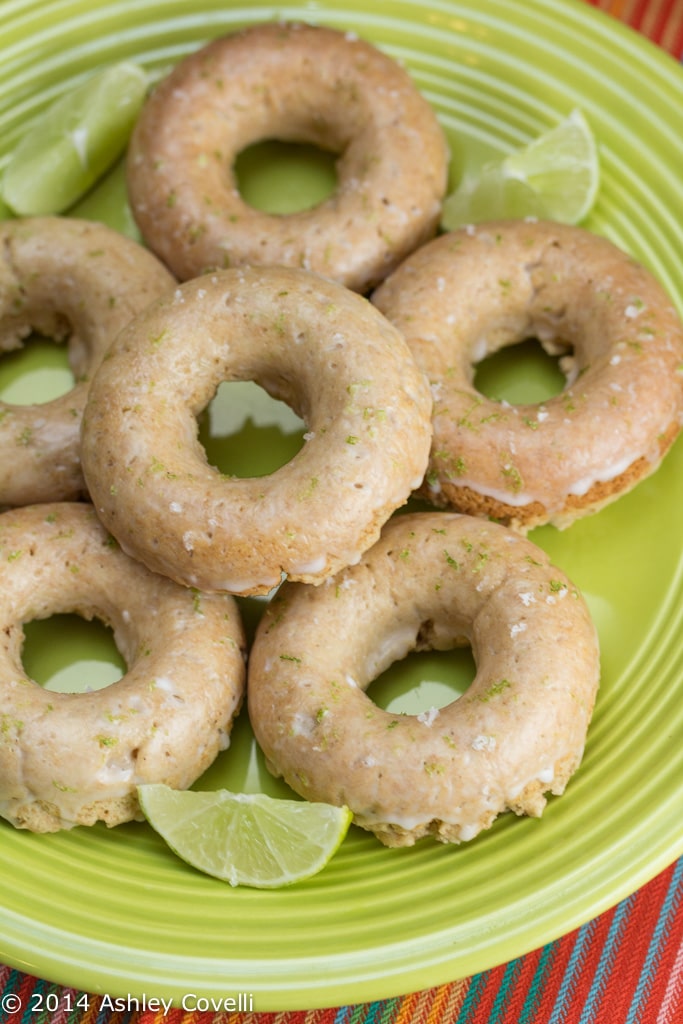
[435, 580]
[308, 341]
[478, 289]
[75, 758]
[74, 281]
[294, 83]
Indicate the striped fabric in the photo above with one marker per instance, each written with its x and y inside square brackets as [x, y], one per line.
[659, 20]
[624, 967]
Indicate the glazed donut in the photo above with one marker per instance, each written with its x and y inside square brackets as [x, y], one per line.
[476, 290]
[435, 580]
[75, 758]
[295, 83]
[310, 342]
[69, 280]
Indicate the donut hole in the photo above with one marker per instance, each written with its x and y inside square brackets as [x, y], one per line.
[247, 433]
[279, 177]
[423, 680]
[38, 372]
[67, 653]
[524, 373]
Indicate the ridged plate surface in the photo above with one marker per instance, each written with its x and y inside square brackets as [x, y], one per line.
[115, 911]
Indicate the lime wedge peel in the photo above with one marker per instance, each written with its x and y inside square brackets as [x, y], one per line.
[74, 141]
[246, 839]
[555, 176]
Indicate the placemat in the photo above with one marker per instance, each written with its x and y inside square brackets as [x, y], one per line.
[659, 20]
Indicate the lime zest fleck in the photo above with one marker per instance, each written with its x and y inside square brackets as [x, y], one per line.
[454, 564]
[107, 741]
[494, 690]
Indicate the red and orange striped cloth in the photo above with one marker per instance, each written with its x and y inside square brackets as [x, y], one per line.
[624, 967]
[659, 20]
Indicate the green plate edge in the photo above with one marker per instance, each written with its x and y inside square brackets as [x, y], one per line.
[115, 912]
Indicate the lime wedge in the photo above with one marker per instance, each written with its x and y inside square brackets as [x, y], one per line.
[246, 839]
[555, 176]
[74, 141]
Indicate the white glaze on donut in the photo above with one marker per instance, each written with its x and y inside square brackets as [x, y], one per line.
[622, 406]
[76, 282]
[433, 581]
[295, 83]
[321, 348]
[75, 758]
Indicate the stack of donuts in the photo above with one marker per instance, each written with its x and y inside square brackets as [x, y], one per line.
[369, 324]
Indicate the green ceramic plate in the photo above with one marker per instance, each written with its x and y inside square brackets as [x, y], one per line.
[115, 911]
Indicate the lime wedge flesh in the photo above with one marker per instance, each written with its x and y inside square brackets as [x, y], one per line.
[74, 142]
[555, 176]
[246, 839]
